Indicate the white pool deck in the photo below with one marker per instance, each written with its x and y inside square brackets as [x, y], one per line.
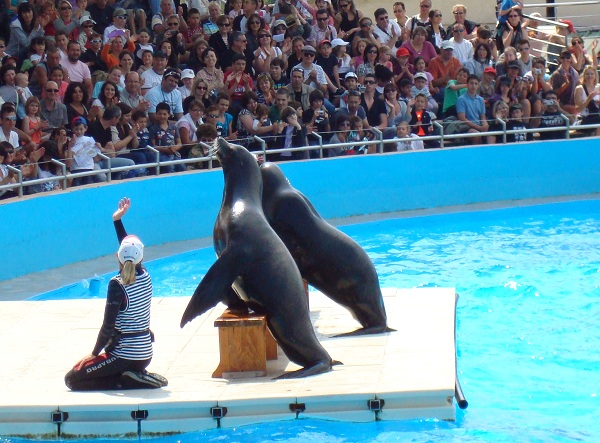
[412, 369]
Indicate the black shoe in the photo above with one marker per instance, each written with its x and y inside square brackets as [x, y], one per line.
[144, 380]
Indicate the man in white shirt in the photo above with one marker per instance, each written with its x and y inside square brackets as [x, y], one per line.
[313, 74]
[386, 32]
[166, 92]
[463, 49]
[153, 77]
[76, 69]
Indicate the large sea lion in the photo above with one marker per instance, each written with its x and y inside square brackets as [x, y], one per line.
[327, 258]
[252, 255]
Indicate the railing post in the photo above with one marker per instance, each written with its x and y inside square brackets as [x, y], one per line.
[379, 135]
[157, 158]
[263, 145]
[19, 175]
[320, 143]
[441, 128]
[567, 124]
[109, 169]
[63, 169]
[503, 123]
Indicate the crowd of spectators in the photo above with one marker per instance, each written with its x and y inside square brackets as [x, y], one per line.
[101, 83]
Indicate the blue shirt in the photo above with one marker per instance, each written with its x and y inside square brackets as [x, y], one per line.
[472, 107]
[156, 95]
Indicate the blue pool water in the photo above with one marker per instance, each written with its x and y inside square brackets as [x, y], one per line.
[528, 322]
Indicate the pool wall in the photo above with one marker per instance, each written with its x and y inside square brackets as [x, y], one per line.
[53, 230]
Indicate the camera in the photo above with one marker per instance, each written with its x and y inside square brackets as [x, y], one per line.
[538, 71]
[549, 102]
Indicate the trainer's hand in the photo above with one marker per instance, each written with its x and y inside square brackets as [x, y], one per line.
[124, 205]
[81, 363]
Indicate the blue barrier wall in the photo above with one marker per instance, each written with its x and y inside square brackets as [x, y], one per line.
[56, 229]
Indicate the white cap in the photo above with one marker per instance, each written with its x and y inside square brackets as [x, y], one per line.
[187, 73]
[338, 42]
[131, 249]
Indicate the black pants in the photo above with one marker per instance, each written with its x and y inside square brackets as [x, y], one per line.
[104, 374]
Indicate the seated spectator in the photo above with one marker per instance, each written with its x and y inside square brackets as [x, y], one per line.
[516, 123]
[587, 98]
[481, 60]
[164, 137]
[511, 32]
[66, 22]
[463, 49]
[298, 90]
[524, 58]
[564, 80]
[353, 108]
[103, 131]
[420, 87]
[127, 145]
[396, 109]
[418, 45]
[487, 85]
[188, 124]
[92, 56]
[83, 152]
[109, 95]
[403, 69]
[359, 134]
[7, 176]
[508, 56]
[444, 68]
[212, 76]
[551, 117]
[497, 122]
[316, 118]
[460, 18]
[455, 89]
[342, 131]
[470, 109]
[53, 110]
[436, 33]
[374, 105]
[206, 134]
[237, 81]
[245, 129]
[403, 133]
[420, 120]
[503, 93]
[386, 31]
[484, 36]
[293, 134]
[166, 92]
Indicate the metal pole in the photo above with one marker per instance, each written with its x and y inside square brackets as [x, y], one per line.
[550, 10]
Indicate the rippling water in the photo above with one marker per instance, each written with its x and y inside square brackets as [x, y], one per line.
[528, 322]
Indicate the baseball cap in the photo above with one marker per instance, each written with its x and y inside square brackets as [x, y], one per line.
[351, 75]
[489, 70]
[119, 11]
[338, 42]
[569, 24]
[402, 52]
[447, 44]
[279, 23]
[171, 72]
[131, 249]
[513, 64]
[86, 17]
[324, 41]
[159, 54]
[187, 73]
[309, 48]
[290, 20]
[420, 75]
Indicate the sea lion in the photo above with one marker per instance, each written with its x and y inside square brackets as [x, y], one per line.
[327, 258]
[252, 255]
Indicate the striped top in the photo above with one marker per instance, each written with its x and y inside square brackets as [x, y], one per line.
[134, 316]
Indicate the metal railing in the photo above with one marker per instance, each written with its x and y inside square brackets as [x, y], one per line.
[378, 141]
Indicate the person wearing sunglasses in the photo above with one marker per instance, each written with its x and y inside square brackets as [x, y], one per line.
[52, 109]
[65, 21]
[386, 31]
[322, 30]
[102, 13]
[459, 12]
[420, 19]
[7, 176]
[347, 20]
[511, 32]
[463, 49]
[26, 26]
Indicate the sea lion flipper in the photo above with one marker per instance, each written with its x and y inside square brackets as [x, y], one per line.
[214, 287]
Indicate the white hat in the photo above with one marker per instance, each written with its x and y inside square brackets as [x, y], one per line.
[131, 249]
[187, 73]
[86, 17]
[420, 75]
[338, 42]
[447, 44]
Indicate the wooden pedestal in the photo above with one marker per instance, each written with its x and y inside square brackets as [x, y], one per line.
[245, 345]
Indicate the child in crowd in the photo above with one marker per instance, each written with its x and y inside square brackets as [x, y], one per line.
[420, 119]
[455, 89]
[237, 81]
[339, 47]
[235, 8]
[164, 137]
[33, 123]
[140, 119]
[403, 131]
[403, 69]
[61, 41]
[359, 57]
[278, 75]
[420, 66]
[487, 85]
[224, 121]
[261, 117]
[329, 62]
[143, 44]
[420, 87]
[516, 123]
[405, 91]
[83, 150]
[192, 28]
[146, 61]
[37, 50]
[385, 57]
[187, 78]
[206, 134]
[22, 87]
[357, 134]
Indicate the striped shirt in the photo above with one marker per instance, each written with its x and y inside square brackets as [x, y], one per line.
[135, 317]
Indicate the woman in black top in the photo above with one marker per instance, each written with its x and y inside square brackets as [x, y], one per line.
[125, 335]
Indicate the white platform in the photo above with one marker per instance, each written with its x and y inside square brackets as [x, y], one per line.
[412, 370]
